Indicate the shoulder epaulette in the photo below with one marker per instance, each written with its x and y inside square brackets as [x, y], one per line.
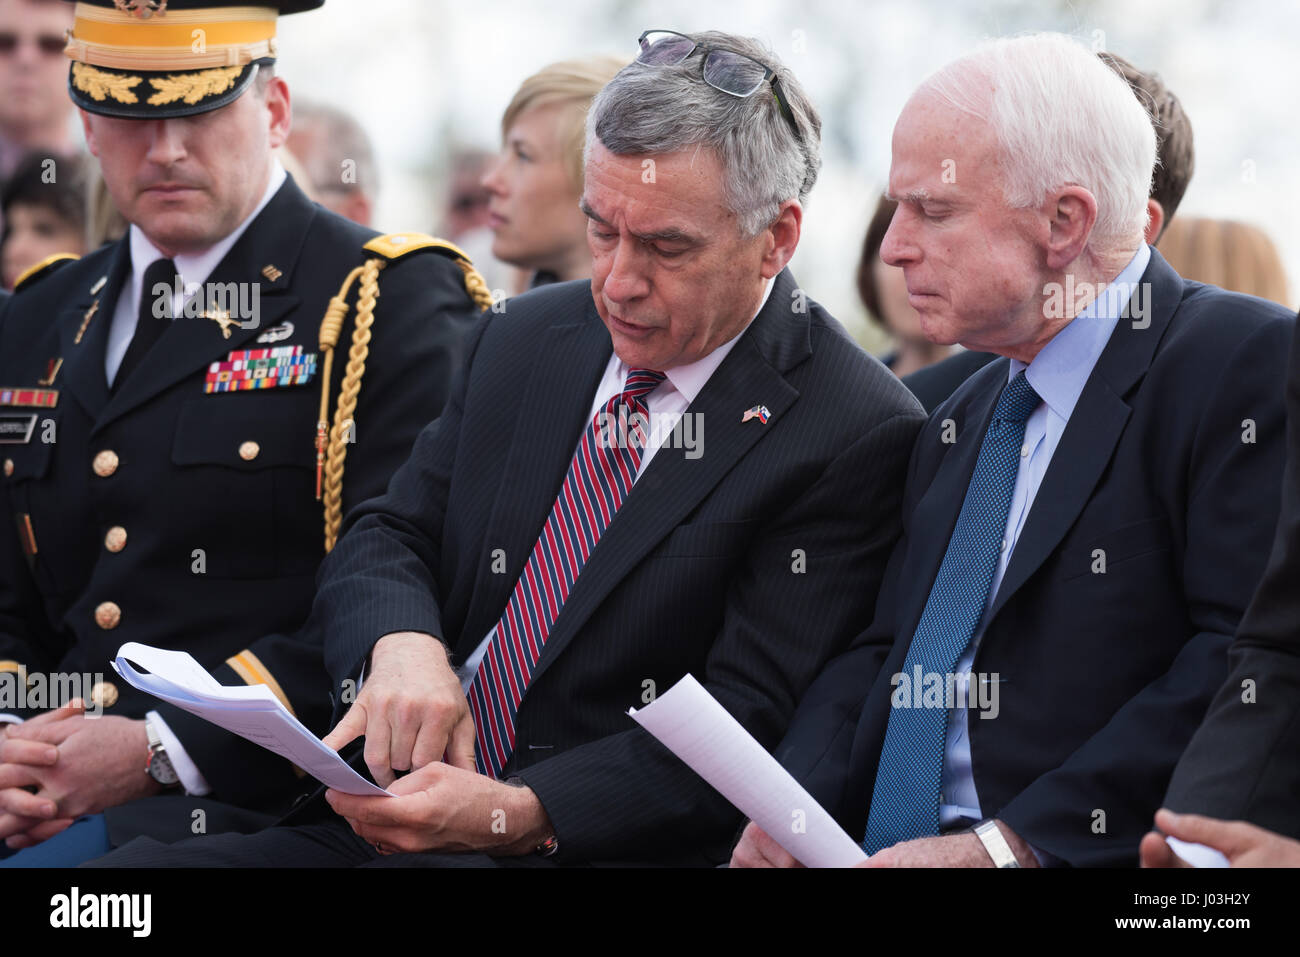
[43, 268]
[397, 245]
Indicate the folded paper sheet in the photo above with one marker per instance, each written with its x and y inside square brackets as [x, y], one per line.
[691, 723]
[251, 711]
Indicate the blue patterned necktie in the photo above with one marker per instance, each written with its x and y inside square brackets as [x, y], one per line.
[909, 777]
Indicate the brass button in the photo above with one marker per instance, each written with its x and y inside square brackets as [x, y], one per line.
[9, 467]
[115, 539]
[107, 615]
[104, 694]
[105, 463]
[248, 451]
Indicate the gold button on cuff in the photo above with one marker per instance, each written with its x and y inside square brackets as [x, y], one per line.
[9, 467]
[104, 694]
[115, 539]
[105, 463]
[107, 615]
[249, 450]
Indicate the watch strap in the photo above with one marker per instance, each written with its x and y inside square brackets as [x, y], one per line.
[991, 837]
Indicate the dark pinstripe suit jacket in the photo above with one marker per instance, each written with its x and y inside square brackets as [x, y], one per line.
[748, 566]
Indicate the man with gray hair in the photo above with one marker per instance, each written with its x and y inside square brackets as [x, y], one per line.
[337, 159]
[683, 465]
[1085, 518]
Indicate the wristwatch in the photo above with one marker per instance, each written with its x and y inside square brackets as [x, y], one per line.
[159, 765]
[993, 841]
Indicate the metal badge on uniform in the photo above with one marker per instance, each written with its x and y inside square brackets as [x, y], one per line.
[276, 333]
[51, 371]
[247, 369]
[222, 318]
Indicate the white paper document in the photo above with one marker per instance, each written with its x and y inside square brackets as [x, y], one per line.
[691, 723]
[1198, 855]
[250, 711]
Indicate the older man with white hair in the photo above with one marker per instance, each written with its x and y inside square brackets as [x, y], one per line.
[1085, 518]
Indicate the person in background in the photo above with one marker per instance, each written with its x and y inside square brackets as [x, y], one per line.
[337, 158]
[35, 113]
[1175, 161]
[465, 217]
[884, 293]
[1228, 254]
[537, 179]
[44, 212]
[467, 198]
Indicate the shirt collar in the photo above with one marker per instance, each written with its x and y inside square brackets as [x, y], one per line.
[197, 267]
[1062, 367]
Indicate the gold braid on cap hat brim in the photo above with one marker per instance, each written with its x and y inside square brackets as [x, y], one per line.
[173, 40]
[190, 87]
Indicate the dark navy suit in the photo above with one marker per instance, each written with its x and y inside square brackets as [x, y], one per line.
[1104, 676]
[1244, 761]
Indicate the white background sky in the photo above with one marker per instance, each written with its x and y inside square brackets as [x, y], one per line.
[424, 75]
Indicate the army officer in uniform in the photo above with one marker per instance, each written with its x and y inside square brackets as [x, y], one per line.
[187, 413]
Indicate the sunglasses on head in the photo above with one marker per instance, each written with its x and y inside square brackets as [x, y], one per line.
[723, 69]
[51, 44]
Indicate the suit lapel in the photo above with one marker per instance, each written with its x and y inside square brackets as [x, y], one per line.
[543, 445]
[192, 342]
[82, 372]
[1095, 426]
[672, 485]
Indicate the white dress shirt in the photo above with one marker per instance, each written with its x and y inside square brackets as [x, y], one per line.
[1058, 374]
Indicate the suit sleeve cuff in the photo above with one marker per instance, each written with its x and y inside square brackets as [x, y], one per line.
[192, 778]
[10, 719]
[1046, 858]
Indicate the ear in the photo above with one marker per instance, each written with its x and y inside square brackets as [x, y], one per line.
[1072, 214]
[782, 237]
[280, 110]
[89, 131]
[1155, 222]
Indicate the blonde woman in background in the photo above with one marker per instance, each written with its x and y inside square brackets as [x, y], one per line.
[1228, 254]
[536, 181]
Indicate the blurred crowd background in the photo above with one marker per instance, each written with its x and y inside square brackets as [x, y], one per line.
[414, 92]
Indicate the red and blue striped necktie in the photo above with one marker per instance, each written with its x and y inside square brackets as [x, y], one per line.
[599, 479]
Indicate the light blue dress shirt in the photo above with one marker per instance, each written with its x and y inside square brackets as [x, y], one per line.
[1058, 374]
